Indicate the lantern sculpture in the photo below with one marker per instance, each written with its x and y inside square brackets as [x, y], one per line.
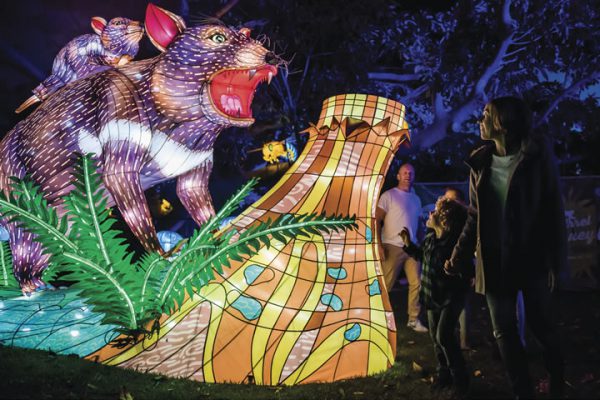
[146, 122]
[314, 310]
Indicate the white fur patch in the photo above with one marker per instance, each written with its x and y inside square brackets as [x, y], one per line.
[127, 131]
[173, 158]
[88, 143]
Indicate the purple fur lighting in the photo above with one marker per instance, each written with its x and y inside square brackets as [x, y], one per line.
[146, 122]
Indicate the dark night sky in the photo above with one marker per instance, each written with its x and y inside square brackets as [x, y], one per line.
[33, 31]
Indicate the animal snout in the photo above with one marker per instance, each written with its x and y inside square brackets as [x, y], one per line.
[272, 58]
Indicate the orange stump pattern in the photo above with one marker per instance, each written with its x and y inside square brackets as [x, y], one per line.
[314, 310]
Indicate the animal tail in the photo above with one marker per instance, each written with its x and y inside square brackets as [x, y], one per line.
[27, 103]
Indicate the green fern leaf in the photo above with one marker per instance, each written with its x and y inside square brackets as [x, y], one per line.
[69, 252]
[284, 228]
[35, 218]
[8, 284]
[230, 205]
[91, 221]
[152, 266]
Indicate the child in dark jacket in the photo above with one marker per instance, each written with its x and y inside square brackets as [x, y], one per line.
[442, 295]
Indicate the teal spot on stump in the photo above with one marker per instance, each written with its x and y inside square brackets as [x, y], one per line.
[369, 235]
[374, 288]
[249, 307]
[332, 301]
[252, 272]
[337, 273]
[353, 333]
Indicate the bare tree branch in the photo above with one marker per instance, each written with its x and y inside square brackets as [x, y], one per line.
[494, 66]
[571, 90]
[438, 106]
[506, 17]
[184, 9]
[520, 37]
[437, 130]
[413, 94]
[225, 9]
[518, 50]
[304, 73]
[458, 115]
[389, 76]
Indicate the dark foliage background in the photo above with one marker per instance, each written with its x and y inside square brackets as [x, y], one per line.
[442, 59]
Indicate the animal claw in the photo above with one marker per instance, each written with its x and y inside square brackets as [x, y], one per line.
[28, 103]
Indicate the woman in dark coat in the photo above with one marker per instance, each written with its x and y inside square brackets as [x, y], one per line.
[442, 295]
[517, 230]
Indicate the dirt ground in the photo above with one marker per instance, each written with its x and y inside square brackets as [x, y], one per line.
[577, 315]
[29, 374]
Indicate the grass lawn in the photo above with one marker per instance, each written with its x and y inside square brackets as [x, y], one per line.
[28, 374]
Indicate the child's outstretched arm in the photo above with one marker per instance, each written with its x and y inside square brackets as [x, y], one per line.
[409, 247]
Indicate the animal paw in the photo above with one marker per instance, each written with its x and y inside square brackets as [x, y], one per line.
[35, 285]
[27, 288]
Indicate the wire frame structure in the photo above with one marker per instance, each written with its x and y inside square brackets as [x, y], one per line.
[316, 309]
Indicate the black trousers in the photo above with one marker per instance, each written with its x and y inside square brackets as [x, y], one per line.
[502, 304]
[442, 326]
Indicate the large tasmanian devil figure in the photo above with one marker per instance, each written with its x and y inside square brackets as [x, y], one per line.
[146, 122]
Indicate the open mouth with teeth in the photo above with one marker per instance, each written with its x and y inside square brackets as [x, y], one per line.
[232, 90]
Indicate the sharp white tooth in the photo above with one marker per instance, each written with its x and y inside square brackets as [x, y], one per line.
[237, 104]
[231, 103]
[251, 74]
[224, 102]
[270, 77]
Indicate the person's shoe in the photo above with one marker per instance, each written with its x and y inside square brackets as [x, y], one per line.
[442, 381]
[461, 384]
[416, 326]
[557, 386]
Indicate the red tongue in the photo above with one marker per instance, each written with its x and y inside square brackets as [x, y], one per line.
[232, 99]
[232, 91]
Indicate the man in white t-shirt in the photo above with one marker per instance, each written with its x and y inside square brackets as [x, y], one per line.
[400, 207]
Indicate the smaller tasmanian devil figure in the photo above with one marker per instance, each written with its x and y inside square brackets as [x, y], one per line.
[114, 43]
[146, 122]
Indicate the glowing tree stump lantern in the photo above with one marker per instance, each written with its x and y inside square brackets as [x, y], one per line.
[313, 310]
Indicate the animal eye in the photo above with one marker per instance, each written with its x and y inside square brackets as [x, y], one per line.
[218, 38]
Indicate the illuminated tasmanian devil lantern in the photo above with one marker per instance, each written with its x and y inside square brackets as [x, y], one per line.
[147, 121]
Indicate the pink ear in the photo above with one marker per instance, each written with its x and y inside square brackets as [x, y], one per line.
[162, 26]
[98, 24]
[245, 32]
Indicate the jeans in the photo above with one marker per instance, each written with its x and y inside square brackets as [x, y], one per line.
[502, 305]
[442, 325]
